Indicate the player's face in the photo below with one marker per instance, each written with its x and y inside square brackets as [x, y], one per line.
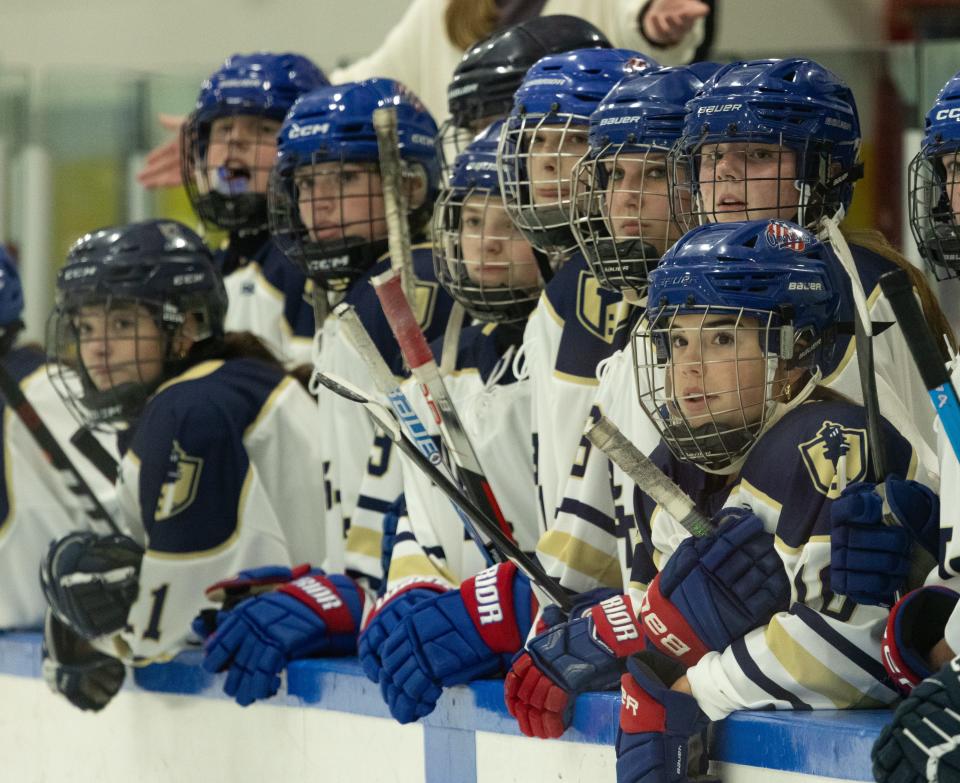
[494, 251]
[637, 199]
[339, 200]
[747, 181]
[717, 371]
[119, 344]
[241, 151]
[553, 152]
[951, 165]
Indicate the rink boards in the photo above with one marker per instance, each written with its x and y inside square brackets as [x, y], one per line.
[173, 723]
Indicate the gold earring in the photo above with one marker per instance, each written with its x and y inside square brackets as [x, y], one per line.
[786, 391]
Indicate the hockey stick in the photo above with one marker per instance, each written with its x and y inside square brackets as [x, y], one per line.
[416, 352]
[863, 340]
[86, 443]
[394, 198]
[387, 421]
[387, 385]
[51, 449]
[607, 437]
[898, 289]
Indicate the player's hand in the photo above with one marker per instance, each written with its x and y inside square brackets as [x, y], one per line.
[923, 741]
[91, 581]
[656, 723]
[74, 669]
[313, 615]
[162, 166]
[914, 627]
[666, 22]
[389, 612]
[453, 638]
[579, 655]
[872, 529]
[715, 589]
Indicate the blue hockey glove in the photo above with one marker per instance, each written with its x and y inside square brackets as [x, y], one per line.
[915, 624]
[247, 583]
[582, 654]
[455, 637]
[872, 531]
[313, 615]
[715, 589]
[656, 723]
[389, 612]
[922, 742]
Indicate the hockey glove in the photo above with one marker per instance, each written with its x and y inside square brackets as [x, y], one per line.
[715, 589]
[579, 655]
[389, 612]
[90, 581]
[656, 723]
[246, 584]
[455, 637]
[313, 615]
[872, 532]
[923, 741]
[71, 667]
[915, 624]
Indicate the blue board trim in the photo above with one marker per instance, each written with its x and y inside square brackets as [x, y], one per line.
[829, 743]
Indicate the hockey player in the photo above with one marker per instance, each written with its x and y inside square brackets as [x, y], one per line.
[38, 505]
[740, 323]
[327, 213]
[488, 268]
[228, 149]
[219, 444]
[485, 80]
[575, 324]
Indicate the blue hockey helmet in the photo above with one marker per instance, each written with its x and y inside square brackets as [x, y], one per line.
[11, 293]
[621, 201]
[230, 192]
[934, 176]
[334, 125]
[794, 103]
[158, 265]
[756, 300]
[546, 134]
[479, 256]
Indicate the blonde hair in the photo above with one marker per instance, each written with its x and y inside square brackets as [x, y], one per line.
[469, 21]
[877, 243]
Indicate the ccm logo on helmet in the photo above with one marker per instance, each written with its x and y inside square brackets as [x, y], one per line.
[305, 131]
[949, 114]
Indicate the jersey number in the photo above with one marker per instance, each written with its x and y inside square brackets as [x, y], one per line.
[153, 627]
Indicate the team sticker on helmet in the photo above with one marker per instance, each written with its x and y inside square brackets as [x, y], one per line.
[635, 65]
[784, 236]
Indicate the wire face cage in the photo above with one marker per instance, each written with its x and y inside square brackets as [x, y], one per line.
[620, 213]
[934, 207]
[706, 378]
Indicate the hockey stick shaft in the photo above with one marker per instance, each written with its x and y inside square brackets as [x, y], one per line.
[898, 289]
[394, 198]
[387, 385]
[86, 443]
[53, 451]
[607, 437]
[419, 357]
[389, 424]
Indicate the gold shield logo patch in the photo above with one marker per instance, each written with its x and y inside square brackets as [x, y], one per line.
[179, 489]
[599, 317]
[835, 446]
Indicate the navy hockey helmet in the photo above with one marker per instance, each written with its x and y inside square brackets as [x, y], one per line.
[733, 308]
[934, 185]
[325, 196]
[795, 104]
[11, 292]
[226, 174]
[621, 194]
[479, 256]
[546, 134]
[117, 281]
